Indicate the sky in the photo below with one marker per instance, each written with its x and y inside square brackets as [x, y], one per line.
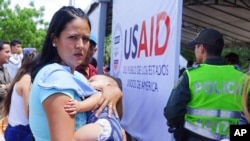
[51, 6]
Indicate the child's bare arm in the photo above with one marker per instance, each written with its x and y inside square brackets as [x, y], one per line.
[101, 129]
[88, 132]
[88, 104]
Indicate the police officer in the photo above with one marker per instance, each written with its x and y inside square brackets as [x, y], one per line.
[207, 97]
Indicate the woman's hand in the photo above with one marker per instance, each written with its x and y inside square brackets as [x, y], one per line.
[110, 97]
[124, 136]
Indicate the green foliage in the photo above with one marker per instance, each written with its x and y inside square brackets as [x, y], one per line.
[243, 53]
[188, 54]
[23, 24]
[107, 49]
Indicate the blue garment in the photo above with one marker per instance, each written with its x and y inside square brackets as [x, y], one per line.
[114, 122]
[51, 79]
[243, 120]
[18, 133]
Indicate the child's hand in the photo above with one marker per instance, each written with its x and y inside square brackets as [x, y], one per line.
[71, 107]
[3, 86]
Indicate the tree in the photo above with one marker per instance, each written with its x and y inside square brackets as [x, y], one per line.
[25, 24]
[243, 53]
[107, 49]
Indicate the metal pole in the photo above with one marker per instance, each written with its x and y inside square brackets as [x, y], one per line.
[101, 33]
[71, 2]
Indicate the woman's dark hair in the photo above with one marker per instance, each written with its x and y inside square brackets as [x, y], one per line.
[58, 23]
[28, 60]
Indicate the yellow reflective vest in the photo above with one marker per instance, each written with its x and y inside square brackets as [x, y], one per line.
[216, 100]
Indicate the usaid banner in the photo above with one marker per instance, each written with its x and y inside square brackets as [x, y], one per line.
[145, 55]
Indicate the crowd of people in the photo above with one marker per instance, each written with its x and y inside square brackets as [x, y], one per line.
[63, 98]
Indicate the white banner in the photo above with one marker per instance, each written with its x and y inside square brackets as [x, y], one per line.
[145, 55]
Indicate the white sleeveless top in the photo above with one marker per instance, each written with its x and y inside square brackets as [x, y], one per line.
[17, 115]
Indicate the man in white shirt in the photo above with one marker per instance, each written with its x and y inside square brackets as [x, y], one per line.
[15, 60]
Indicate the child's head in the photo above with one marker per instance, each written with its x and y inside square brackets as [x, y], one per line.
[100, 81]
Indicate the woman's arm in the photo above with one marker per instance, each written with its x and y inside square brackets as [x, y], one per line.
[23, 88]
[61, 124]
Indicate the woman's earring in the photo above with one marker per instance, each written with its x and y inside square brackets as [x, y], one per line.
[54, 45]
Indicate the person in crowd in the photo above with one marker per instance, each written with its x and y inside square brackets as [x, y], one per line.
[15, 106]
[16, 58]
[107, 67]
[55, 81]
[233, 59]
[86, 68]
[4, 74]
[93, 62]
[104, 68]
[194, 110]
[103, 127]
[190, 63]
[181, 70]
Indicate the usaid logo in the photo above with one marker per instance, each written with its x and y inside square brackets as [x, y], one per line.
[117, 48]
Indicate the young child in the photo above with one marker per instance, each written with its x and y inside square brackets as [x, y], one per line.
[101, 128]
